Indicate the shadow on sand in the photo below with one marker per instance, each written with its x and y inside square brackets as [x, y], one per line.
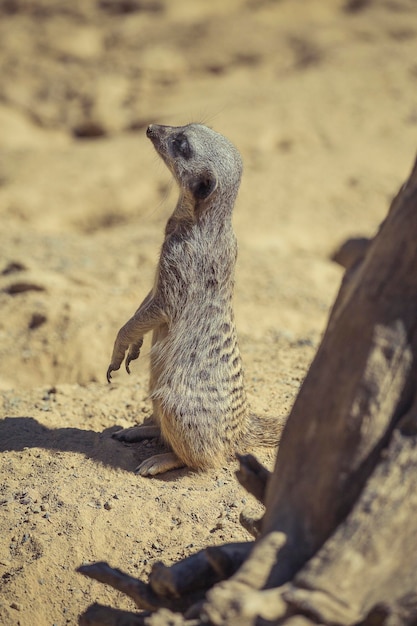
[18, 433]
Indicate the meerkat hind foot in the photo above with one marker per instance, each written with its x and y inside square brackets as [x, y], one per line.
[158, 464]
[137, 433]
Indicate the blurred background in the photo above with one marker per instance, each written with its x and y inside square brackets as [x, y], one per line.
[319, 96]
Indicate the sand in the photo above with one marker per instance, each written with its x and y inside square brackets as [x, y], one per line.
[319, 97]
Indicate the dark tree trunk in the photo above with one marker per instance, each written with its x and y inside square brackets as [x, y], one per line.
[361, 382]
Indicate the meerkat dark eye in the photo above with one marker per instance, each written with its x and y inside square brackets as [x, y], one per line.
[181, 147]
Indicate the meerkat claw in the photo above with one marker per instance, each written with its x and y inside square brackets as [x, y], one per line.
[109, 371]
[133, 354]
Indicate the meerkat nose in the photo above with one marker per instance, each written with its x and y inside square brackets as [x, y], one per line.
[149, 130]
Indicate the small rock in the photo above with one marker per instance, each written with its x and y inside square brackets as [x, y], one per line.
[16, 606]
[218, 526]
[107, 506]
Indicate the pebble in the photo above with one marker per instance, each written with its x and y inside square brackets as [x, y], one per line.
[16, 606]
[218, 526]
[108, 506]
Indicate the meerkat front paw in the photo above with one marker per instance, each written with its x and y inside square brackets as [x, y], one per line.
[158, 464]
[110, 369]
[119, 355]
[117, 358]
[133, 354]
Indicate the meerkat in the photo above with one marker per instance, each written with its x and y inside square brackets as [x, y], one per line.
[196, 377]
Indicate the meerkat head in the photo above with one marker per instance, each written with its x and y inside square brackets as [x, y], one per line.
[203, 162]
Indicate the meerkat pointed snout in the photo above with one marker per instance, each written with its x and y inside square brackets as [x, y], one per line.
[196, 376]
[155, 132]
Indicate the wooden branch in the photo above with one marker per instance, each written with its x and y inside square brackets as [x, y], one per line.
[176, 587]
[226, 559]
[262, 558]
[366, 573]
[193, 573]
[351, 252]
[198, 572]
[240, 600]
[370, 563]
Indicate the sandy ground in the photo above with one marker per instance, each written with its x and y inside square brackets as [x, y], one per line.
[320, 98]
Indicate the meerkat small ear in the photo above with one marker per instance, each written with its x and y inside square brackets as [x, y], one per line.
[204, 187]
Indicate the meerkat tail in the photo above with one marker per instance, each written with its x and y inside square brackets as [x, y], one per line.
[264, 431]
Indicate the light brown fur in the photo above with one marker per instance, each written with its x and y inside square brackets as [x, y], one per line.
[196, 382]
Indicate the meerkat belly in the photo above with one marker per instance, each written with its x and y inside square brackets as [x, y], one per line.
[199, 383]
